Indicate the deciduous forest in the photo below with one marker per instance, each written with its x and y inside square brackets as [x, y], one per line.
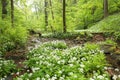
[60, 40]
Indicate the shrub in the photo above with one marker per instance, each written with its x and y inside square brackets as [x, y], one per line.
[13, 38]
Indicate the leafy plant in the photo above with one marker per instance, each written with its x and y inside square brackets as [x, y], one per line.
[116, 36]
[55, 45]
[77, 62]
[106, 25]
[6, 68]
[13, 38]
[108, 41]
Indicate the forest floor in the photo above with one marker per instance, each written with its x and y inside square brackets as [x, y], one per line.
[34, 42]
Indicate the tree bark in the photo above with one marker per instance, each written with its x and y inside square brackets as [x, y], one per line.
[4, 10]
[74, 1]
[105, 8]
[64, 16]
[12, 13]
[52, 15]
[46, 15]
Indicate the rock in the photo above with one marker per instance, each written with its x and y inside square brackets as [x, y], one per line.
[117, 51]
[108, 48]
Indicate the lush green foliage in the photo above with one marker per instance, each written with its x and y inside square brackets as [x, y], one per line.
[7, 67]
[111, 23]
[55, 45]
[116, 36]
[70, 35]
[82, 13]
[12, 38]
[75, 63]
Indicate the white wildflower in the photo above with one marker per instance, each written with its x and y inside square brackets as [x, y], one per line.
[82, 65]
[92, 79]
[75, 76]
[74, 58]
[119, 76]
[30, 74]
[117, 69]
[58, 62]
[71, 65]
[81, 70]
[114, 77]
[83, 59]
[17, 73]
[47, 76]
[53, 78]
[35, 69]
[60, 72]
[61, 78]
[100, 77]
[70, 73]
[41, 79]
[28, 70]
[105, 68]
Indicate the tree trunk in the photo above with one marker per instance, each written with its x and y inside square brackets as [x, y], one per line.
[36, 11]
[12, 13]
[64, 17]
[52, 15]
[4, 10]
[46, 15]
[85, 23]
[74, 1]
[105, 8]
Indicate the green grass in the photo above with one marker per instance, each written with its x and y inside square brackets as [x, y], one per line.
[111, 23]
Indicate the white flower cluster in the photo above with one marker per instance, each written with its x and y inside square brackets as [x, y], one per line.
[6, 66]
[57, 64]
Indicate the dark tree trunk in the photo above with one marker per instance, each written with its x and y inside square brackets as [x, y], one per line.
[4, 10]
[12, 13]
[74, 1]
[85, 23]
[64, 16]
[52, 15]
[46, 15]
[105, 8]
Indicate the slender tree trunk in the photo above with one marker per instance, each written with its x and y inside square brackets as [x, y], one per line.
[105, 8]
[74, 1]
[12, 13]
[46, 15]
[52, 15]
[4, 10]
[36, 11]
[85, 23]
[64, 16]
